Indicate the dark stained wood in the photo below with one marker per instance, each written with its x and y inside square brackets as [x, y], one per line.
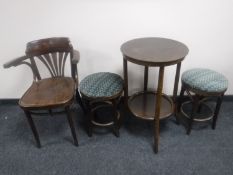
[74, 70]
[194, 110]
[197, 102]
[90, 118]
[217, 108]
[76, 57]
[125, 72]
[125, 69]
[46, 57]
[56, 91]
[80, 102]
[61, 54]
[146, 78]
[158, 108]
[35, 71]
[178, 105]
[15, 62]
[33, 128]
[48, 45]
[142, 105]
[154, 51]
[115, 118]
[96, 103]
[148, 52]
[71, 123]
[49, 92]
[178, 66]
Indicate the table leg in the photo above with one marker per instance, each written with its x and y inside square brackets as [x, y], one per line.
[157, 108]
[145, 78]
[125, 71]
[178, 66]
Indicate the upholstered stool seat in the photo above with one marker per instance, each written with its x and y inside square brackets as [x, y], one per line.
[101, 85]
[205, 80]
[203, 83]
[98, 90]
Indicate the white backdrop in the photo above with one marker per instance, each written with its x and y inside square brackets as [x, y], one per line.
[97, 28]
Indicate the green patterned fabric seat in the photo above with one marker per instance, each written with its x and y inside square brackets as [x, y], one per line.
[205, 80]
[101, 85]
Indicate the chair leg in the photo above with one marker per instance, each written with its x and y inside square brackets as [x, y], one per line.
[69, 118]
[115, 119]
[218, 105]
[33, 128]
[180, 101]
[79, 100]
[194, 110]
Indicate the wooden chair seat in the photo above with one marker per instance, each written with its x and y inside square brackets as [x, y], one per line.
[48, 93]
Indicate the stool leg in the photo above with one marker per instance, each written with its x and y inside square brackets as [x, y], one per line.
[90, 114]
[115, 119]
[178, 66]
[33, 128]
[218, 105]
[69, 118]
[200, 105]
[125, 97]
[178, 106]
[123, 111]
[194, 110]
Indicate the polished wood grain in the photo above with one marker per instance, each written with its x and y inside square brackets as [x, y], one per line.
[197, 99]
[57, 90]
[48, 45]
[152, 52]
[93, 104]
[142, 105]
[49, 92]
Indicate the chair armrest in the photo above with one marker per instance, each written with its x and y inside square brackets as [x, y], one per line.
[76, 57]
[14, 62]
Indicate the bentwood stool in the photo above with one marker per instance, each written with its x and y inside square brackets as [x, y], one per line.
[99, 91]
[203, 83]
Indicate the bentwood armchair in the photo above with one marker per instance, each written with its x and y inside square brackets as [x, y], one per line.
[54, 90]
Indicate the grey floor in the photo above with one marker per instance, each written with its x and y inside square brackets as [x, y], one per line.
[205, 151]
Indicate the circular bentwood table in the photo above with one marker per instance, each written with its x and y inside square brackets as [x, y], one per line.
[152, 52]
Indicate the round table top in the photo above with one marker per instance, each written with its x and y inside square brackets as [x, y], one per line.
[154, 51]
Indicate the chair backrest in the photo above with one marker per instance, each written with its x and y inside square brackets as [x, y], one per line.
[52, 53]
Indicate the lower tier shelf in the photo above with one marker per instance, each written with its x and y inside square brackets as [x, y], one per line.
[142, 105]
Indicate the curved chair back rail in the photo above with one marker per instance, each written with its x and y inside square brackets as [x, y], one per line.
[52, 53]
